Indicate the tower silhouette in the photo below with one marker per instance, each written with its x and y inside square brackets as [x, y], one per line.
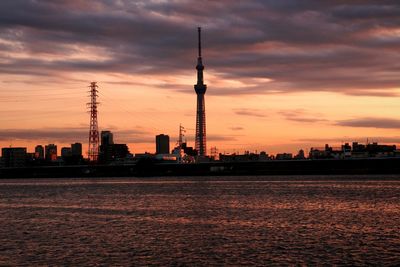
[93, 152]
[200, 89]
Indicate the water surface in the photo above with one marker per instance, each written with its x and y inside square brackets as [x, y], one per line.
[201, 221]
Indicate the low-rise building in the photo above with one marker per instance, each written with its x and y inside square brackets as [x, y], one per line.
[14, 156]
[284, 156]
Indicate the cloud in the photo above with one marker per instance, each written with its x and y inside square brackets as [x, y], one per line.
[218, 137]
[49, 135]
[250, 112]
[386, 93]
[369, 11]
[384, 123]
[337, 46]
[236, 128]
[301, 115]
[71, 135]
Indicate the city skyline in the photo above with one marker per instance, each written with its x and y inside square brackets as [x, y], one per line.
[282, 77]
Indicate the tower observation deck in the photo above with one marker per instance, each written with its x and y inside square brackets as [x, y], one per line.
[200, 89]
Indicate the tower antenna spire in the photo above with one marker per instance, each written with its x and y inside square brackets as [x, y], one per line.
[199, 33]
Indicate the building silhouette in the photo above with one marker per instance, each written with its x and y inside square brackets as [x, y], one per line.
[66, 152]
[14, 156]
[200, 89]
[107, 138]
[109, 151]
[119, 151]
[72, 155]
[76, 150]
[106, 146]
[162, 144]
[39, 152]
[188, 149]
[50, 152]
[356, 150]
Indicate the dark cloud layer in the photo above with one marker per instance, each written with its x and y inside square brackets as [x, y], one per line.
[71, 135]
[350, 46]
[52, 135]
[384, 123]
[300, 115]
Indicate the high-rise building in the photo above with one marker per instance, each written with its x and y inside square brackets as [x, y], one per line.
[200, 89]
[51, 152]
[39, 152]
[106, 147]
[162, 144]
[76, 149]
[109, 151]
[14, 156]
[72, 155]
[107, 138]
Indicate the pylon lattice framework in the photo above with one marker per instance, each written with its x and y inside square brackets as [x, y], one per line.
[93, 152]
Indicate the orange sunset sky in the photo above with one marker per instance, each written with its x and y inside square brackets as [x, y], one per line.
[281, 75]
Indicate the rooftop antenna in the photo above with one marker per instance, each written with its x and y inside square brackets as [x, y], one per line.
[182, 132]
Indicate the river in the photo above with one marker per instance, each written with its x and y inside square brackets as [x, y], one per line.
[195, 221]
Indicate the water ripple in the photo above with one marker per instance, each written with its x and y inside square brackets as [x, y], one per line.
[186, 222]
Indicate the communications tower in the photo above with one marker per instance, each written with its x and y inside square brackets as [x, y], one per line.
[182, 132]
[93, 152]
[200, 89]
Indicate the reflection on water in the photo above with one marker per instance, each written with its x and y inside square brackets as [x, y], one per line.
[177, 221]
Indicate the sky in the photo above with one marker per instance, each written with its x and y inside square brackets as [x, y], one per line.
[281, 75]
